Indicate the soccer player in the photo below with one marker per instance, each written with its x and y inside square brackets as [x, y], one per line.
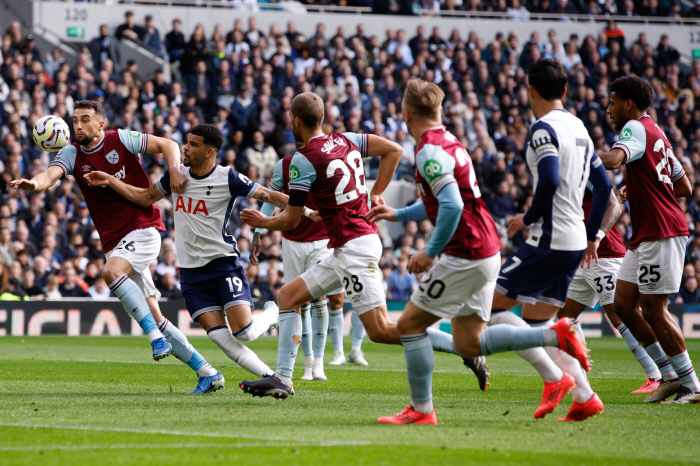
[129, 233]
[653, 266]
[561, 158]
[303, 247]
[596, 285]
[213, 282]
[460, 284]
[330, 167]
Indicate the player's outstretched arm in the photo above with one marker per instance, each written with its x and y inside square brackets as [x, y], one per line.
[171, 151]
[613, 159]
[141, 196]
[40, 182]
[288, 219]
[271, 197]
[390, 153]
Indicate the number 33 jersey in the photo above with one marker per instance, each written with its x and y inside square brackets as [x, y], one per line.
[330, 167]
[651, 169]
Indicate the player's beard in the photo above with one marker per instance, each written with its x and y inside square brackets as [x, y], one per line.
[86, 140]
[297, 133]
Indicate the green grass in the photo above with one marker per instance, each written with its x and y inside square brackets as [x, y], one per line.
[101, 401]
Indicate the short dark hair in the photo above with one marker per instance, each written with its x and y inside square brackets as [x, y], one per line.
[548, 77]
[91, 105]
[309, 108]
[211, 135]
[635, 89]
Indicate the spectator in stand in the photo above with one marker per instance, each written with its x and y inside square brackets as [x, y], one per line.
[51, 291]
[261, 155]
[70, 288]
[167, 287]
[30, 287]
[103, 48]
[129, 29]
[175, 43]
[401, 284]
[13, 291]
[151, 37]
[99, 289]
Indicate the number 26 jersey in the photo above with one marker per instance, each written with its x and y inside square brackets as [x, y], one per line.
[330, 167]
[651, 169]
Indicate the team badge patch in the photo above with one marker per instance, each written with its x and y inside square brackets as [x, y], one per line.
[293, 173]
[112, 157]
[432, 169]
[626, 134]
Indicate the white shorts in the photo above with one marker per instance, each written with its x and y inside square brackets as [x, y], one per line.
[139, 248]
[656, 266]
[298, 257]
[456, 287]
[355, 267]
[597, 284]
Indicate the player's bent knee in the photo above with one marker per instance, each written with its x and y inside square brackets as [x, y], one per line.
[467, 349]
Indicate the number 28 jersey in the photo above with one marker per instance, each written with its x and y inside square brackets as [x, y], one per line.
[330, 168]
[651, 169]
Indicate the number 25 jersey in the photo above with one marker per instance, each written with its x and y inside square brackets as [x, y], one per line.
[330, 167]
[651, 169]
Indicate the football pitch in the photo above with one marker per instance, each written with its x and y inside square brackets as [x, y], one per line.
[102, 401]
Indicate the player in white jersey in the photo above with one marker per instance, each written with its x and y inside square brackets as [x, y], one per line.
[561, 157]
[213, 282]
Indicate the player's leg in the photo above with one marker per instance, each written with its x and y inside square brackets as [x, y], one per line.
[420, 360]
[142, 245]
[319, 330]
[336, 321]
[306, 341]
[357, 332]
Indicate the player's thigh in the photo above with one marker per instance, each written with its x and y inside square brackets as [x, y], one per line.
[357, 265]
[660, 267]
[294, 255]
[318, 253]
[572, 309]
[466, 334]
[312, 284]
[539, 311]
[458, 287]
[209, 320]
[138, 248]
[415, 320]
[581, 294]
[239, 317]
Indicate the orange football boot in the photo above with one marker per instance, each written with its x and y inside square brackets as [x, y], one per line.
[410, 416]
[553, 394]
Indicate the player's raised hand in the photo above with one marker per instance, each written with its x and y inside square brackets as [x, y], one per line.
[515, 224]
[255, 249]
[381, 212]
[623, 194]
[25, 184]
[254, 218]
[591, 253]
[177, 181]
[420, 262]
[97, 178]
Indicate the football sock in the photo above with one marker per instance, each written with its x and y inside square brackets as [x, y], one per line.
[684, 368]
[441, 341]
[259, 324]
[336, 320]
[502, 338]
[238, 352]
[537, 357]
[135, 304]
[288, 344]
[306, 331]
[658, 355]
[579, 330]
[582, 391]
[183, 350]
[420, 360]
[319, 327]
[643, 358]
[358, 332]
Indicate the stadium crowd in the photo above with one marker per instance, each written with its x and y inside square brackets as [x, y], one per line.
[243, 79]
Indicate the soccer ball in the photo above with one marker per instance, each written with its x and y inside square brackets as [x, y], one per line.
[51, 133]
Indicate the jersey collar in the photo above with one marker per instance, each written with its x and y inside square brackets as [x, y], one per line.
[319, 136]
[203, 176]
[96, 148]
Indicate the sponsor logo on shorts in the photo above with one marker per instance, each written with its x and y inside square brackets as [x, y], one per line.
[423, 299]
[356, 298]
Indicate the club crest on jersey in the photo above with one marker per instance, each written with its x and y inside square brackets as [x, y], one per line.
[121, 174]
[332, 144]
[293, 173]
[432, 169]
[112, 157]
[626, 134]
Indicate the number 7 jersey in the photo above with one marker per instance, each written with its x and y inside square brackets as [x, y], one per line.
[330, 167]
[651, 169]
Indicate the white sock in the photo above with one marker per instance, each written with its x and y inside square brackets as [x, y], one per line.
[308, 362]
[537, 357]
[423, 408]
[238, 352]
[206, 370]
[259, 324]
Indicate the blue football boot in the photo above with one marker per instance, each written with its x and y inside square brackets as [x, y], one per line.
[210, 383]
[161, 348]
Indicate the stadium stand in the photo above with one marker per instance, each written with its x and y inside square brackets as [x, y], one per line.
[242, 79]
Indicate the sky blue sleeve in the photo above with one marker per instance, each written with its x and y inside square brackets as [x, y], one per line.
[449, 214]
[134, 141]
[65, 159]
[676, 169]
[240, 185]
[633, 141]
[360, 140]
[277, 181]
[302, 173]
[601, 196]
[163, 184]
[414, 212]
[436, 166]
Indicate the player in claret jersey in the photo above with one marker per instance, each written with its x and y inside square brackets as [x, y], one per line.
[128, 232]
[653, 266]
[596, 285]
[330, 167]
